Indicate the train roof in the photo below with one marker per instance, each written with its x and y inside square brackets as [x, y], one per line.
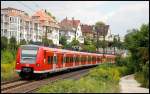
[62, 50]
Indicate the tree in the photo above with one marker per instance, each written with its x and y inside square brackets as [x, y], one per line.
[50, 14]
[47, 42]
[63, 40]
[23, 42]
[4, 42]
[30, 42]
[74, 42]
[12, 43]
[100, 27]
[114, 44]
[137, 42]
[88, 46]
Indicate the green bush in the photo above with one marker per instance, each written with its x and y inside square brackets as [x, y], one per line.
[99, 80]
[8, 71]
[7, 56]
[8, 65]
[143, 76]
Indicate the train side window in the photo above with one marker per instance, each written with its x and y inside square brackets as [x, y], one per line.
[74, 59]
[71, 59]
[77, 59]
[64, 59]
[55, 59]
[49, 59]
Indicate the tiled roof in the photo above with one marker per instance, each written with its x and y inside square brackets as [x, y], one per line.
[45, 19]
[86, 28]
[68, 25]
[10, 8]
[43, 16]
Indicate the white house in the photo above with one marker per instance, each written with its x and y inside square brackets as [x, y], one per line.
[71, 29]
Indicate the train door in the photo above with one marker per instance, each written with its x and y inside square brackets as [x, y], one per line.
[74, 60]
[64, 60]
[67, 56]
[55, 61]
[71, 60]
[77, 60]
[48, 60]
[60, 59]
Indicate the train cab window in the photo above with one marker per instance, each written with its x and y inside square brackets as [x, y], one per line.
[55, 59]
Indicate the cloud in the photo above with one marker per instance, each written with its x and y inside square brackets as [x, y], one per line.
[127, 17]
[119, 15]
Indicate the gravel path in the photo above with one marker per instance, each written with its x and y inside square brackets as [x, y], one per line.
[129, 85]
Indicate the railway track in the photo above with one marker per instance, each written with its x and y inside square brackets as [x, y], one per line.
[13, 84]
[6, 82]
[23, 86]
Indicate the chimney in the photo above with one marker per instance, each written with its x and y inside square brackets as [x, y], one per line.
[72, 18]
[66, 17]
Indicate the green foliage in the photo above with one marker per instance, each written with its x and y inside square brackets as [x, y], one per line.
[50, 14]
[4, 42]
[137, 42]
[89, 48]
[47, 42]
[88, 45]
[63, 40]
[143, 76]
[8, 64]
[99, 24]
[12, 43]
[8, 71]
[74, 42]
[103, 79]
[7, 56]
[22, 42]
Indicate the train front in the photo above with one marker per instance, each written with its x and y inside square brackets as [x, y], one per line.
[26, 60]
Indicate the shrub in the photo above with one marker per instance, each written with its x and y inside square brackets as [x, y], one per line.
[7, 56]
[99, 80]
[143, 76]
[8, 71]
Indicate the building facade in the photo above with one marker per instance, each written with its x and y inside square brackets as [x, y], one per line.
[87, 31]
[71, 29]
[17, 23]
[12, 23]
[46, 26]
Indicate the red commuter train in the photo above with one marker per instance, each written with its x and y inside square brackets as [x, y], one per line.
[34, 59]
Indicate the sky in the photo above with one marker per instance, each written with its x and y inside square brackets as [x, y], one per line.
[120, 15]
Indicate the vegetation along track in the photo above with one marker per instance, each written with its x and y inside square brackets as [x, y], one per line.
[32, 86]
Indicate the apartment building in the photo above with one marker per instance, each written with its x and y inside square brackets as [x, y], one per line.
[17, 23]
[11, 23]
[46, 26]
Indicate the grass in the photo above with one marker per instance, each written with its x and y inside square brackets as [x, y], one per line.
[99, 80]
[8, 65]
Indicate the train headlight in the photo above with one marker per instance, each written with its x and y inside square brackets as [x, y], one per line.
[37, 65]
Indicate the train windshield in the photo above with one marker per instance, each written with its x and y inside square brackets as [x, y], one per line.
[28, 55]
